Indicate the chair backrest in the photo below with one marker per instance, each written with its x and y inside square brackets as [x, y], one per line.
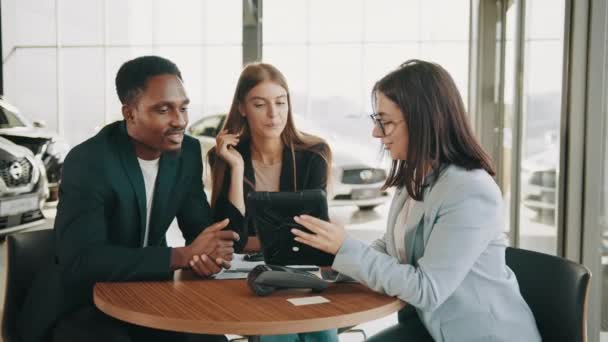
[556, 290]
[26, 253]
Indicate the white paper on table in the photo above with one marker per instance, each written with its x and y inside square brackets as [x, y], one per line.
[239, 269]
[308, 300]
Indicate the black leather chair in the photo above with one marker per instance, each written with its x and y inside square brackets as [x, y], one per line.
[26, 254]
[409, 328]
[556, 290]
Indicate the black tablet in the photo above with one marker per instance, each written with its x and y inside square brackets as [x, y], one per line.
[271, 215]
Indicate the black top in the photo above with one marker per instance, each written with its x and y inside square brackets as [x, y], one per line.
[311, 173]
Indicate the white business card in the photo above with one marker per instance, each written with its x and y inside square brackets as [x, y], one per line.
[308, 300]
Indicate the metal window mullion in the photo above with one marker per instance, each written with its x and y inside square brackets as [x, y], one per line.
[482, 74]
[106, 34]
[572, 131]
[595, 140]
[1, 63]
[204, 59]
[252, 30]
[500, 93]
[58, 78]
[308, 58]
[517, 129]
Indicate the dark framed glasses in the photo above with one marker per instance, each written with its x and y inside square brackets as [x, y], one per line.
[385, 127]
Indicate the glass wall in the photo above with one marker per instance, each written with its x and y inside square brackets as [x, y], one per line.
[332, 67]
[510, 106]
[541, 109]
[531, 120]
[78, 46]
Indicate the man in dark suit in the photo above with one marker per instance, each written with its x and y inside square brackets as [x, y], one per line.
[120, 191]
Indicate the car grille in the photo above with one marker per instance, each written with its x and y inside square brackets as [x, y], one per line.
[546, 178]
[21, 172]
[375, 193]
[363, 176]
[15, 220]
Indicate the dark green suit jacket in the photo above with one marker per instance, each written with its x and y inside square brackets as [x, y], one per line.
[100, 224]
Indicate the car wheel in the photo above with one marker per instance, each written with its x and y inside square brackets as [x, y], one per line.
[366, 207]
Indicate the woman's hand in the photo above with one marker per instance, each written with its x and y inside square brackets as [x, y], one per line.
[327, 236]
[225, 145]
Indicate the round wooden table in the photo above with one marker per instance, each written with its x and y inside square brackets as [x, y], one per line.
[230, 307]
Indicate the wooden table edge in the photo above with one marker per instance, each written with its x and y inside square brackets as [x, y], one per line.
[244, 328]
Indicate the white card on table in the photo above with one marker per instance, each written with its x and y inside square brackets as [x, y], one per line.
[308, 300]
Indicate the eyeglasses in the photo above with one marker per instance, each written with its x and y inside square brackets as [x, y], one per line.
[386, 127]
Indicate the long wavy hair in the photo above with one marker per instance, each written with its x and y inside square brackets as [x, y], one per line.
[252, 75]
[438, 126]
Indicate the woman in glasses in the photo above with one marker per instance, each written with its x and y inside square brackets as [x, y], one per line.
[260, 149]
[444, 249]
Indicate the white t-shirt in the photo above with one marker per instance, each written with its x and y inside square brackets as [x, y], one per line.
[149, 169]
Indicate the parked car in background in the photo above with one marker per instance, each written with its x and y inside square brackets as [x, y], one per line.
[23, 188]
[539, 188]
[539, 185]
[46, 145]
[353, 182]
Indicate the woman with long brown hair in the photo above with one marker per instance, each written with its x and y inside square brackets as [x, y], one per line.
[444, 249]
[260, 149]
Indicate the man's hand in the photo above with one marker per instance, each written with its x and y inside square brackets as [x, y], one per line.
[212, 242]
[215, 242]
[204, 266]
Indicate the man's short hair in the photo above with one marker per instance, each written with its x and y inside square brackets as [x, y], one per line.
[132, 76]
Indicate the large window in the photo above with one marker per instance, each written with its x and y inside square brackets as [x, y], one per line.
[532, 116]
[61, 57]
[541, 105]
[331, 68]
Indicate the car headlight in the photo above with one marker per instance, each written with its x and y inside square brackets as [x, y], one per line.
[37, 168]
[59, 149]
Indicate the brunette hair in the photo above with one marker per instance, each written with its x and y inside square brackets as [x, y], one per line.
[252, 75]
[438, 126]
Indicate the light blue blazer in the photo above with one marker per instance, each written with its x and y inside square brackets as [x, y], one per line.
[455, 275]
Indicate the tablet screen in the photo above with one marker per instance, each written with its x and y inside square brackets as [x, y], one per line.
[271, 215]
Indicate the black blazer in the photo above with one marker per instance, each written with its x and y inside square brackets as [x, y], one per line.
[311, 173]
[101, 220]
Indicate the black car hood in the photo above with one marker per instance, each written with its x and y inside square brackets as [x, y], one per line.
[8, 147]
[29, 132]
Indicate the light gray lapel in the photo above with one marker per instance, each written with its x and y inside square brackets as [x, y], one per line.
[413, 220]
[396, 206]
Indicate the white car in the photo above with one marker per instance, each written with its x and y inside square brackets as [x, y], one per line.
[44, 144]
[23, 188]
[353, 182]
[539, 184]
